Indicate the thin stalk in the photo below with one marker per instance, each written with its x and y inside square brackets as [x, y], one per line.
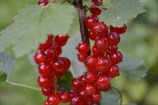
[22, 85]
[120, 94]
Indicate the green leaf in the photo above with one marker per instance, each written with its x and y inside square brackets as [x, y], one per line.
[32, 25]
[6, 65]
[120, 11]
[133, 68]
[109, 98]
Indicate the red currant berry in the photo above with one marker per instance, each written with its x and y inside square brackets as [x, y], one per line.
[38, 57]
[45, 69]
[61, 39]
[48, 91]
[46, 103]
[83, 48]
[82, 57]
[90, 62]
[76, 84]
[65, 97]
[95, 50]
[67, 62]
[76, 101]
[53, 100]
[91, 35]
[90, 89]
[114, 71]
[102, 64]
[56, 47]
[95, 11]
[114, 38]
[119, 30]
[102, 81]
[43, 2]
[90, 20]
[96, 97]
[101, 45]
[51, 54]
[116, 57]
[90, 77]
[100, 30]
[47, 44]
[44, 82]
[112, 49]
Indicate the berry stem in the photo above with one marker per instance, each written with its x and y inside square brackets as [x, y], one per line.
[119, 92]
[82, 10]
[22, 85]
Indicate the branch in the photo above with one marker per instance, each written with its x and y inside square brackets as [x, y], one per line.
[82, 10]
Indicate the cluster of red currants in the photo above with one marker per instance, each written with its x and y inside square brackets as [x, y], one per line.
[100, 60]
[51, 66]
[101, 63]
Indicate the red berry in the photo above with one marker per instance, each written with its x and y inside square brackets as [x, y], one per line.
[103, 81]
[102, 64]
[112, 48]
[119, 30]
[90, 20]
[53, 100]
[96, 97]
[76, 101]
[95, 50]
[116, 57]
[48, 91]
[90, 77]
[91, 35]
[95, 11]
[44, 82]
[47, 44]
[90, 89]
[56, 47]
[61, 39]
[82, 57]
[67, 62]
[90, 62]
[43, 2]
[46, 103]
[83, 48]
[76, 84]
[51, 54]
[114, 38]
[100, 30]
[114, 71]
[38, 57]
[45, 69]
[101, 45]
[65, 97]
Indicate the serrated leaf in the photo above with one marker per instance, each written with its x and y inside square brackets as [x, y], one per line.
[32, 25]
[133, 68]
[6, 63]
[120, 11]
[109, 98]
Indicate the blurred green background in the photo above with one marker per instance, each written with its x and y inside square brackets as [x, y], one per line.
[141, 41]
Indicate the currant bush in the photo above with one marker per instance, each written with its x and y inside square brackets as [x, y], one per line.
[100, 59]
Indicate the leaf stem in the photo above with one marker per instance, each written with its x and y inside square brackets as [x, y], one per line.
[120, 94]
[22, 85]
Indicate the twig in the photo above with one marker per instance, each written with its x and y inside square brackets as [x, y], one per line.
[120, 94]
[22, 85]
